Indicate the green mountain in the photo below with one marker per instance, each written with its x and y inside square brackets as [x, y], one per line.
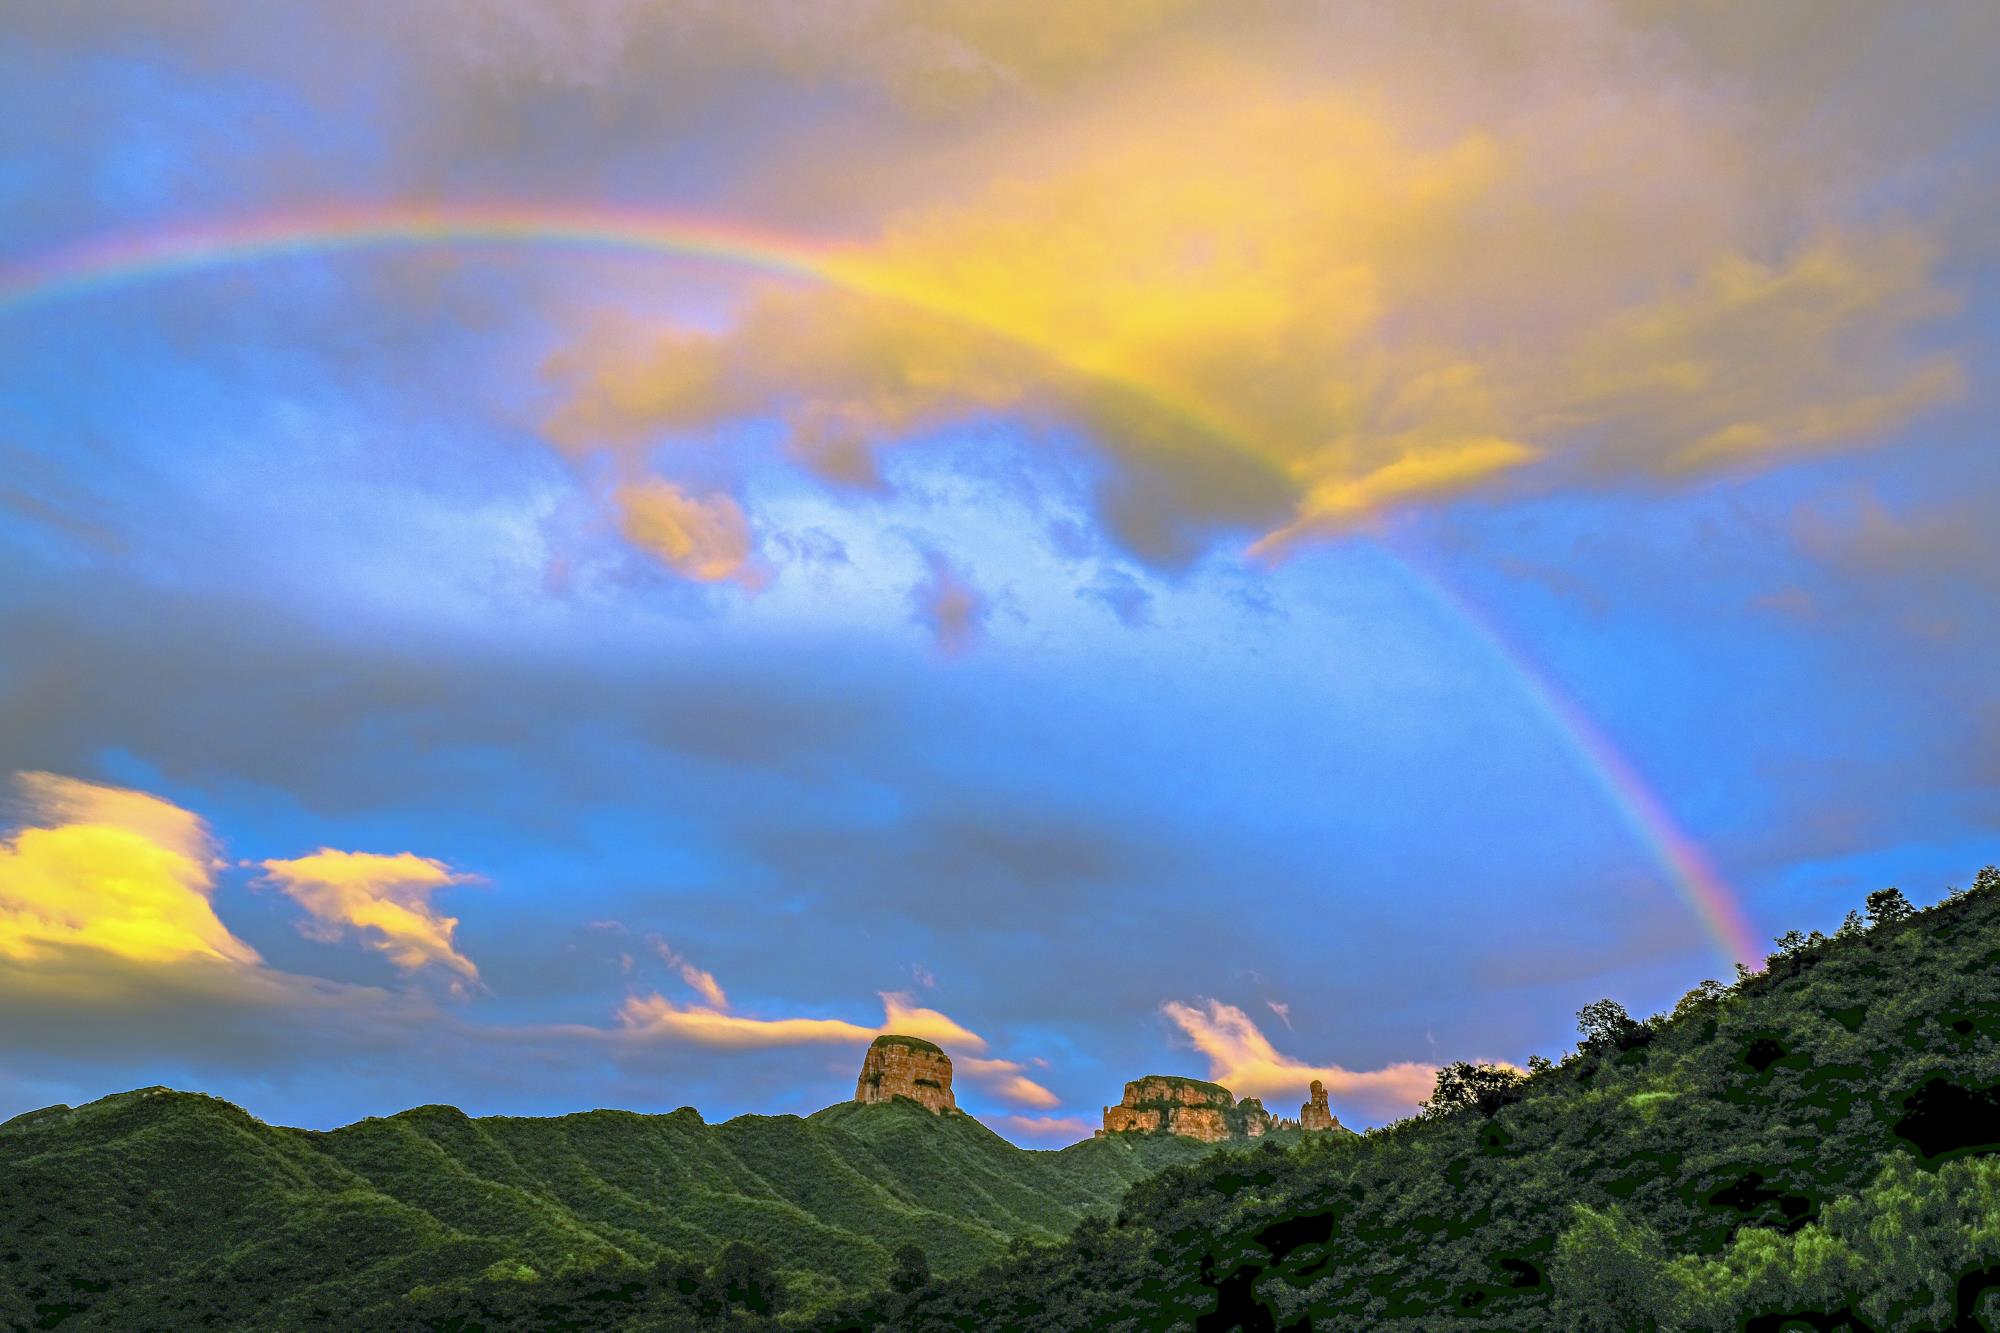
[171, 1210]
[1814, 1147]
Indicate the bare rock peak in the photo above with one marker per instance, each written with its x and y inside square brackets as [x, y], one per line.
[1190, 1107]
[1315, 1115]
[898, 1066]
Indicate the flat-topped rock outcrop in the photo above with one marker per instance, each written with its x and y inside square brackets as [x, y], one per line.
[1190, 1107]
[906, 1067]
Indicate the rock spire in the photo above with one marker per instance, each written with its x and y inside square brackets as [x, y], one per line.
[1314, 1115]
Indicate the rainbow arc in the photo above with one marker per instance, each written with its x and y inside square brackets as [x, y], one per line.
[118, 262]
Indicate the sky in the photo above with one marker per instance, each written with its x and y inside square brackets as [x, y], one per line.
[573, 553]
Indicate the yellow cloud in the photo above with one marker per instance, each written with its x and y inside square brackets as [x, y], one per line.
[711, 1025]
[106, 869]
[657, 1016]
[1243, 1060]
[384, 898]
[1278, 303]
[701, 981]
[911, 1020]
[706, 539]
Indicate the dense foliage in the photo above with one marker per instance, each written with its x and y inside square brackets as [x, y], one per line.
[1814, 1146]
[169, 1210]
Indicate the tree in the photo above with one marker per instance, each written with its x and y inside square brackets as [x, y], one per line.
[1462, 1084]
[743, 1276]
[1987, 880]
[1610, 1275]
[1888, 906]
[910, 1270]
[1604, 1023]
[1703, 996]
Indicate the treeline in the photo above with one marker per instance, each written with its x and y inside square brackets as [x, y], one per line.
[1807, 1146]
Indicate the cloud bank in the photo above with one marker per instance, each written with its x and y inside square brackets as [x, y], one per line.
[1242, 1059]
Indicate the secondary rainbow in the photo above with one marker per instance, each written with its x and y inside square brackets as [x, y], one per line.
[125, 261]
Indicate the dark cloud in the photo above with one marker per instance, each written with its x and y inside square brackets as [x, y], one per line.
[211, 692]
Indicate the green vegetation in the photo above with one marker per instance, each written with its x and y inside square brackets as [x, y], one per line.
[913, 1043]
[164, 1209]
[1213, 1092]
[1815, 1146]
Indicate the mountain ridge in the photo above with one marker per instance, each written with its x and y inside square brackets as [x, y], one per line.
[204, 1196]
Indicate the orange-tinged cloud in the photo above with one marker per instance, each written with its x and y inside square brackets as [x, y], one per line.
[705, 538]
[115, 871]
[1064, 1127]
[947, 603]
[385, 899]
[1006, 1080]
[711, 1025]
[1243, 1060]
[700, 980]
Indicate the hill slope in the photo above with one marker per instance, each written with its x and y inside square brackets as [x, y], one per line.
[1817, 1146]
[174, 1210]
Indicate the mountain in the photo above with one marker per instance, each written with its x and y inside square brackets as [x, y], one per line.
[176, 1210]
[1814, 1147]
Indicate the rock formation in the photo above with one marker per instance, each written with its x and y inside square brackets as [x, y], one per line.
[1314, 1115]
[1163, 1104]
[906, 1067]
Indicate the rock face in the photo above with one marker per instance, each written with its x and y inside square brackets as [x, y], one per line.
[1314, 1115]
[1190, 1107]
[906, 1067]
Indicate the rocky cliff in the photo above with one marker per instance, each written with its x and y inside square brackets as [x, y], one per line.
[1314, 1115]
[906, 1067]
[1190, 1107]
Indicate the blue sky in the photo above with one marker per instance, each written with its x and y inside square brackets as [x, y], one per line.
[672, 660]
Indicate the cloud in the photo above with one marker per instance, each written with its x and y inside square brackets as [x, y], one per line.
[1243, 1060]
[948, 604]
[111, 950]
[1123, 595]
[710, 1025]
[1274, 300]
[1066, 1127]
[928, 57]
[105, 869]
[655, 1016]
[1005, 1079]
[903, 1016]
[386, 899]
[702, 982]
[706, 539]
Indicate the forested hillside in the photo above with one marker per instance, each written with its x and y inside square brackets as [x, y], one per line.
[169, 1210]
[1814, 1146]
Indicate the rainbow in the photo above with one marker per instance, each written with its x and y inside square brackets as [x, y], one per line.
[1644, 814]
[118, 262]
